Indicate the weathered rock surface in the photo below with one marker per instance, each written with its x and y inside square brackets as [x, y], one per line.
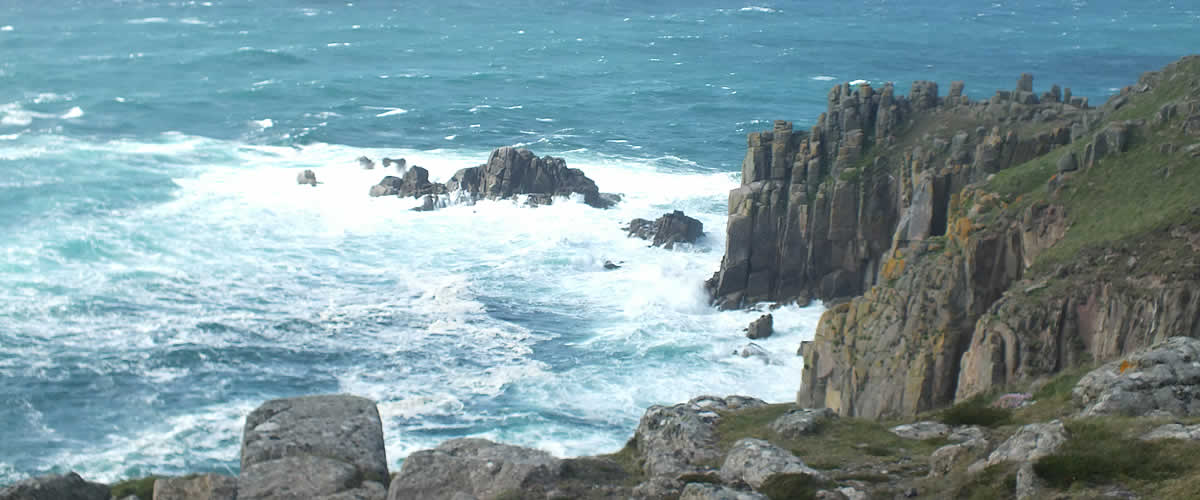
[365, 163]
[312, 447]
[755, 462]
[1029, 486]
[67, 486]
[796, 423]
[473, 468]
[947, 458]
[414, 183]
[704, 491]
[667, 230]
[922, 430]
[511, 171]
[307, 177]
[1028, 444]
[1174, 431]
[761, 328]
[1163, 378]
[202, 487]
[681, 439]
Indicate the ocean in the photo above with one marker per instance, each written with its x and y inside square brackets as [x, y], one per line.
[163, 274]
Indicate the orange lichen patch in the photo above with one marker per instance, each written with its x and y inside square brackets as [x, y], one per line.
[1125, 365]
[893, 268]
[960, 230]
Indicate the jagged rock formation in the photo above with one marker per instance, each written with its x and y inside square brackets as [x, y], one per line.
[55, 487]
[960, 297]
[761, 328]
[511, 171]
[473, 468]
[1162, 380]
[666, 231]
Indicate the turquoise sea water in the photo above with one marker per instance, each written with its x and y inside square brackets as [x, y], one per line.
[162, 273]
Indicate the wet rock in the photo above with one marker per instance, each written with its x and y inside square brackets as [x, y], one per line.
[312, 447]
[799, 422]
[704, 491]
[682, 439]
[307, 177]
[922, 430]
[475, 467]
[67, 486]
[401, 164]
[366, 163]
[753, 350]
[1028, 444]
[1174, 431]
[1164, 377]
[511, 171]
[609, 265]
[666, 231]
[755, 462]
[202, 487]
[761, 328]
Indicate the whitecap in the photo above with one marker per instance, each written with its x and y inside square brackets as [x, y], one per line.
[49, 97]
[858, 82]
[756, 8]
[265, 123]
[514, 107]
[74, 112]
[450, 137]
[264, 82]
[338, 44]
[824, 78]
[475, 109]
[147, 20]
[473, 125]
[617, 141]
[119, 99]
[392, 112]
[193, 21]
[546, 120]
[10, 137]
[6, 28]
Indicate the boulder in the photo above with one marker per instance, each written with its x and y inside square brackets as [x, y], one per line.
[945, 459]
[610, 265]
[401, 164]
[755, 462]
[473, 468]
[1028, 444]
[681, 439]
[510, 171]
[1029, 486]
[1174, 431]
[922, 430]
[67, 486]
[365, 163]
[307, 177]
[312, 447]
[667, 230]
[752, 350]
[761, 328]
[1162, 378]
[705, 491]
[202, 487]
[799, 422]
[415, 183]
[1067, 162]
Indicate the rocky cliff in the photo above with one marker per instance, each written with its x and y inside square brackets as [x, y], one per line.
[980, 243]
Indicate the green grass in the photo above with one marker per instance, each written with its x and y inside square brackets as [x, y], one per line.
[792, 487]
[1101, 451]
[975, 411]
[143, 488]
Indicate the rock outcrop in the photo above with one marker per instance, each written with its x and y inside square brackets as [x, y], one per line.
[802, 421]
[705, 491]
[307, 177]
[201, 487]
[681, 439]
[761, 328]
[1031, 442]
[317, 447]
[473, 468]
[666, 231]
[415, 183]
[511, 171]
[67, 486]
[755, 462]
[1164, 379]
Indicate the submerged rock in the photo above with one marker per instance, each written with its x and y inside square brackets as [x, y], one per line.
[473, 468]
[67, 486]
[667, 230]
[313, 447]
[366, 163]
[307, 177]
[401, 164]
[1163, 378]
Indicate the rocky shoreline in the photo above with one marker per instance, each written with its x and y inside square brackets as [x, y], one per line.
[1013, 315]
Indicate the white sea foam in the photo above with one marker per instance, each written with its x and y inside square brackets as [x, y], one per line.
[265, 123]
[756, 8]
[75, 112]
[147, 20]
[390, 111]
[545, 120]
[858, 82]
[194, 21]
[6, 28]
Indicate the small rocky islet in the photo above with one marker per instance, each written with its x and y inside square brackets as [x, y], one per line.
[1012, 314]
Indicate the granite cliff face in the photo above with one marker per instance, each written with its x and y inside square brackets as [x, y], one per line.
[968, 245]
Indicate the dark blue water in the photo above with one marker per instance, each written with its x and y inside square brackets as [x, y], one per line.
[162, 273]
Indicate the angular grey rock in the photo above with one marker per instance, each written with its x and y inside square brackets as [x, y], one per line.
[365, 163]
[922, 430]
[966, 433]
[1067, 162]
[761, 328]
[945, 459]
[475, 467]
[1163, 377]
[1174, 431]
[67, 486]
[307, 177]
[666, 231]
[415, 183]
[511, 171]
[680, 439]
[1025, 82]
[796, 423]
[1028, 444]
[203, 487]
[755, 462]
[704, 491]
[311, 446]
[1029, 486]
[401, 164]
[658, 487]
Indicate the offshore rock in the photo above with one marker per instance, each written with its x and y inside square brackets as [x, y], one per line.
[1163, 378]
[511, 171]
[366, 163]
[67, 486]
[307, 177]
[761, 328]
[414, 183]
[312, 447]
[755, 462]
[202, 487]
[666, 231]
[473, 468]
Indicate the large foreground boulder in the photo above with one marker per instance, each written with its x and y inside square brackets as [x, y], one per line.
[667, 230]
[754, 462]
[510, 171]
[1165, 378]
[202, 487]
[473, 468]
[67, 486]
[681, 439]
[1028, 444]
[319, 447]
